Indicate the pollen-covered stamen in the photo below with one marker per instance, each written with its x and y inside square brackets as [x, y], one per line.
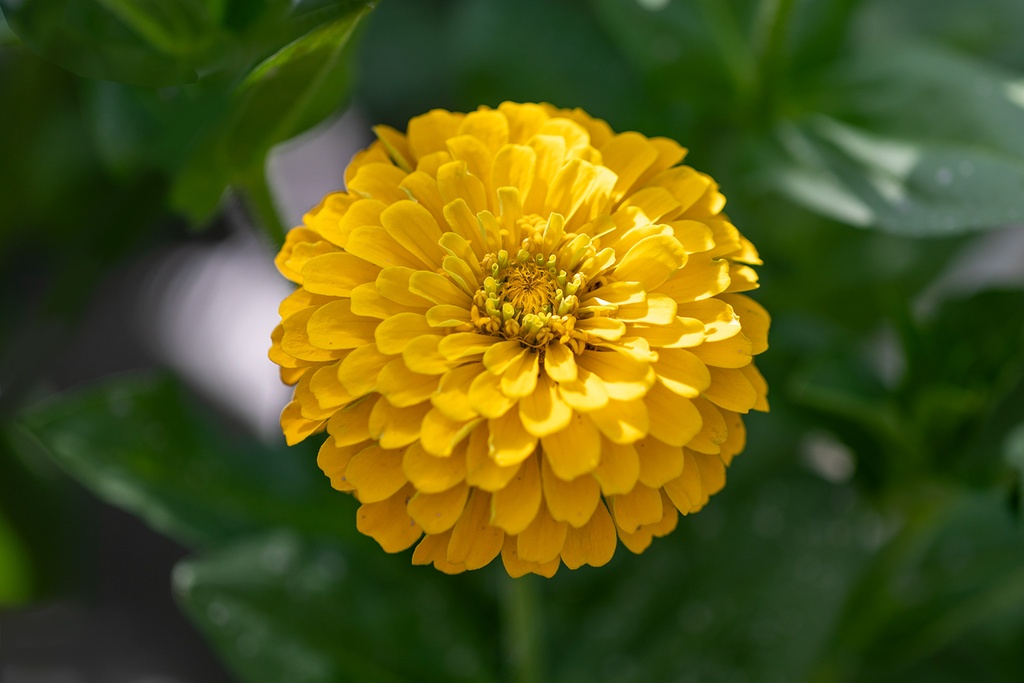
[526, 298]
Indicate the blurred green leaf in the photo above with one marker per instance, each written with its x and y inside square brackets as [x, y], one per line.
[292, 90]
[281, 608]
[142, 444]
[917, 188]
[944, 600]
[15, 567]
[146, 42]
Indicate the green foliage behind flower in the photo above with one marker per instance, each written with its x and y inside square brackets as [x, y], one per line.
[869, 532]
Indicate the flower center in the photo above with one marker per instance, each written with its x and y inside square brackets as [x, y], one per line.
[528, 299]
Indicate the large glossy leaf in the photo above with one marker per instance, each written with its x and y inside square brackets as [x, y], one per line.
[281, 608]
[293, 89]
[143, 444]
[907, 186]
[147, 42]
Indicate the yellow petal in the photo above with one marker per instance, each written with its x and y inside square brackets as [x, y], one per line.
[373, 243]
[330, 393]
[520, 379]
[514, 167]
[481, 471]
[542, 540]
[474, 542]
[679, 333]
[673, 418]
[415, 229]
[693, 235]
[433, 549]
[396, 145]
[754, 319]
[421, 355]
[514, 507]
[388, 522]
[570, 501]
[441, 435]
[619, 468]
[359, 369]
[509, 442]
[636, 542]
[518, 567]
[334, 326]
[701, 277]
[376, 474]
[498, 357]
[427, 133]
[736, 439]
[295, 340]
[438, 512]
[586, 394]
[681, 372]
[430, 473]
[396, 427]
[475, 154]
[712, 472]
[656, 309]
[402, 387]
[296, 427]
[333, 461]
[488, 126]
[487, 398]
[720, 320]
[713, 433]
[438, 289]
[523, 119]
[593, 543]
[544, 412]
[422, 188]
[624, 378]
[337, 273]
[395, 333]
[651, 261]
[378, 181]
[685, 490]
[622, 421]
[560, 363]
[608, 329]
[659, 462]
[394, 283]
[465, 344]
[757, 381]
[575, 450]
[579, 190]
[454, 181]
[350, 425]
[656, 203]
[640, 506]
[628, 155]
[734, 352]
[452, 397]
[731, 390]
[367, 301]
[685, 184]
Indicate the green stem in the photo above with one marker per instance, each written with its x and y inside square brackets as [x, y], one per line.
[261, 202]
[523, 635]
[769, 39]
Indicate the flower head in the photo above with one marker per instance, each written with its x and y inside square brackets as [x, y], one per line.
[523, 334]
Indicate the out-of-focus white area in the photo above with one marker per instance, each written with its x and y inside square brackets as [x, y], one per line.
[207, 312]
[208, 309]
[304, 169]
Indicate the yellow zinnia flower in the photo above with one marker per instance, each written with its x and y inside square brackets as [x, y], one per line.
[524, 335]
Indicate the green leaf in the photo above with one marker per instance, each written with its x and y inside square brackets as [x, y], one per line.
[15, 567]
[283, 608]
[142, 444]
[942, 601]
[913, 187]
[146, 42]
[292, 90]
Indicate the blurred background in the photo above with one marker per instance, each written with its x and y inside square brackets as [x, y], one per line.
[154, 528]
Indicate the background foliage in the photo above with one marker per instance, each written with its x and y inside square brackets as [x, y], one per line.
[871, 531]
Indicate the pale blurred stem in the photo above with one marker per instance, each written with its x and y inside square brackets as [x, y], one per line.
[523, 632]
[261, 203]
